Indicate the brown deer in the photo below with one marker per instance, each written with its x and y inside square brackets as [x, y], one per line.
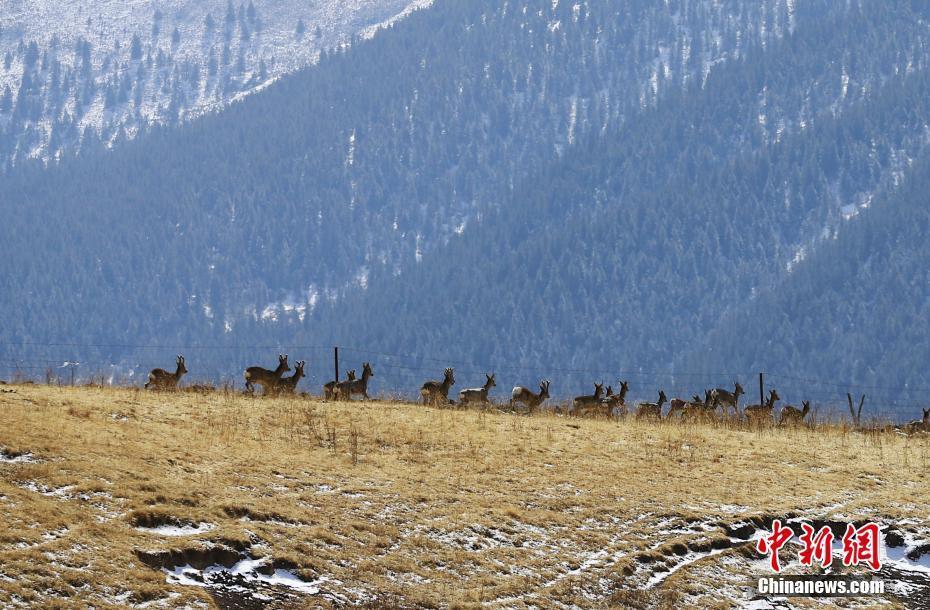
[699, 409]
[433, 391]
[528, 397]
[287, 385]
[762, 412]
[478, 395]
[160, 379]
[792, 415]
[346, 389]
[651, 410]
[920, 425]
[724, 398]
[618, 400]
[330, 386]
[677, 406]
[264, 377]
[582, 405]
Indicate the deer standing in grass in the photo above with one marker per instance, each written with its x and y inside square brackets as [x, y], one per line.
[652, 410]
[699, 409]
[330, 386]
[792, 415]
[677, 406]
[618, 400]
[160, 379]
[287, 385]
[760, 413]
[528, 397]
[582, 405]
[725, 398]
[265, 378]
[920, 425]
[344, 390]
[432, 392]
[477, 395]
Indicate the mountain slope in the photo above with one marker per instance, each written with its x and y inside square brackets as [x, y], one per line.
[623, 255]
[372, 157]
[552, 188]
[82, 71]
[853, 316]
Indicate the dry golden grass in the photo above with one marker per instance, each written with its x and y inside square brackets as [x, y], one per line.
[408, 506]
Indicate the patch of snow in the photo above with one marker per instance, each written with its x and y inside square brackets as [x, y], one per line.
[178, 530]
[25, 458]
[247, 577]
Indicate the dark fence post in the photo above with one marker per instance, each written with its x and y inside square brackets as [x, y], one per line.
[761, 388]
[336, 362]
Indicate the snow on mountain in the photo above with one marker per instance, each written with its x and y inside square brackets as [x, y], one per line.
[110, 67]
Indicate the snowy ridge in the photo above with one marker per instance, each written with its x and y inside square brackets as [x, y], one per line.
[113, 67]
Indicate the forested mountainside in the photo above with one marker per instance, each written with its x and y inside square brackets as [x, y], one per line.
[588, 187]
[626, 253]
[858, 308]
[372, 157]
[79, 73]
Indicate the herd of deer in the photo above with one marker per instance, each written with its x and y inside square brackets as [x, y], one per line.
[273, 382]
[716, 403]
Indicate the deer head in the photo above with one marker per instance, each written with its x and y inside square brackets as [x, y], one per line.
[807, 407]
[366, 371]
[490, 383]
[182, 369]
[544, 389]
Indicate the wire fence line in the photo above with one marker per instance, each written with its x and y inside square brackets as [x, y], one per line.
[401, 374]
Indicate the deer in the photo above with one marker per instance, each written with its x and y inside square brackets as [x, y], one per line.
[762, 412]
[344, 390]
[724, 398]
[617, 400]
[264, 377]
[651, 409]
[584, 404]
[433, 391]
[330, 386]
[478, 395]
[677, 406]
[919, 425]
[160, 379]
[287, 385]
[698, 409]
[792, 415]
[528, 397]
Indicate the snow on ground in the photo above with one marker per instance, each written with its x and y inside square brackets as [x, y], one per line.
[188, 529]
